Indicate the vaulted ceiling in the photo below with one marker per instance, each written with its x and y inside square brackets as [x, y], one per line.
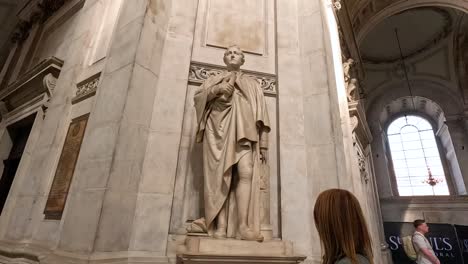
[425, 38]
[417, 29]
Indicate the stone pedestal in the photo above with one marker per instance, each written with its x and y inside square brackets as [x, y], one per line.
[209, 250]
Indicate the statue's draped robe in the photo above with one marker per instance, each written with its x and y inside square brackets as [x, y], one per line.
[229, 128]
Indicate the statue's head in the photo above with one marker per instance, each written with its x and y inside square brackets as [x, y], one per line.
[233, 57]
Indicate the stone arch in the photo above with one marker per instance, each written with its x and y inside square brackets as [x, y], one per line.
[433, 107]
[426, 108]
[435, 91]
[402, 5]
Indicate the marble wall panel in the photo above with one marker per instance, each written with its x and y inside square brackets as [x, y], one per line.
[249, 24]
[56, 41]
[82, 207]
[151, 217]
[294, 180]
[108, 11]
[225, 25]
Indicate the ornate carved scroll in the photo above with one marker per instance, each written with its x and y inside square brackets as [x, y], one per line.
[65, 169]
[199, 72]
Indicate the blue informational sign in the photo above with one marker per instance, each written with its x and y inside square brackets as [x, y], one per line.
[443, 238]
[462, 234]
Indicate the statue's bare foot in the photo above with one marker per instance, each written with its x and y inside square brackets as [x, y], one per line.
[220, 233]
[246, 233]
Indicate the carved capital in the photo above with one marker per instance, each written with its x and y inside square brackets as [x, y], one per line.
[199, 72]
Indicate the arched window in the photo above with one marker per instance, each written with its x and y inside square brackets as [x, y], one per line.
[416, 161]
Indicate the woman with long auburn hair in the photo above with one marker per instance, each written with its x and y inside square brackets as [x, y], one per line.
[342, 228]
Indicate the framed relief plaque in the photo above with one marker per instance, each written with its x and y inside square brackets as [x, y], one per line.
[65, 168]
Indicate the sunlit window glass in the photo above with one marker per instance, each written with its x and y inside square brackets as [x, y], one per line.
[415, 156]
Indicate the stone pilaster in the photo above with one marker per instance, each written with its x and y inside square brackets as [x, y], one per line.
[121, 198]
[459, 138]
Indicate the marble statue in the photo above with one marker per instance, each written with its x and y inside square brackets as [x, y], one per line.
[233, 127]
[351, 89]
[347, 70]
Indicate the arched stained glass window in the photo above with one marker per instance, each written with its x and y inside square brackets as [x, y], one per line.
[416, 161]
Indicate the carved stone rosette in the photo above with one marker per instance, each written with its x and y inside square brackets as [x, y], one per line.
[199, 72]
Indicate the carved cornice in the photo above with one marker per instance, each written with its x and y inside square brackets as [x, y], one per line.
[40, 79]
[36, 11]
[199, 72]
[87, 88]
[438, 200]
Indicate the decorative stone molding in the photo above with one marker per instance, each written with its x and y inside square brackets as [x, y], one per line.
[34, 85]
[362, 138]
[337, 4]
[49, 82]
[86, 88]
[30, 253]
[17, 256]
[198, 250]
[362, 164]
[359, 125]
[199, 72]
[349, 46]
[41, 101]
[34, 11]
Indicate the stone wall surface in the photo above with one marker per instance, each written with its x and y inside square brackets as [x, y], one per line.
[138, 176]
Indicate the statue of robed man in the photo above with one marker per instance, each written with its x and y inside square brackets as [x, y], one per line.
[233, 126]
